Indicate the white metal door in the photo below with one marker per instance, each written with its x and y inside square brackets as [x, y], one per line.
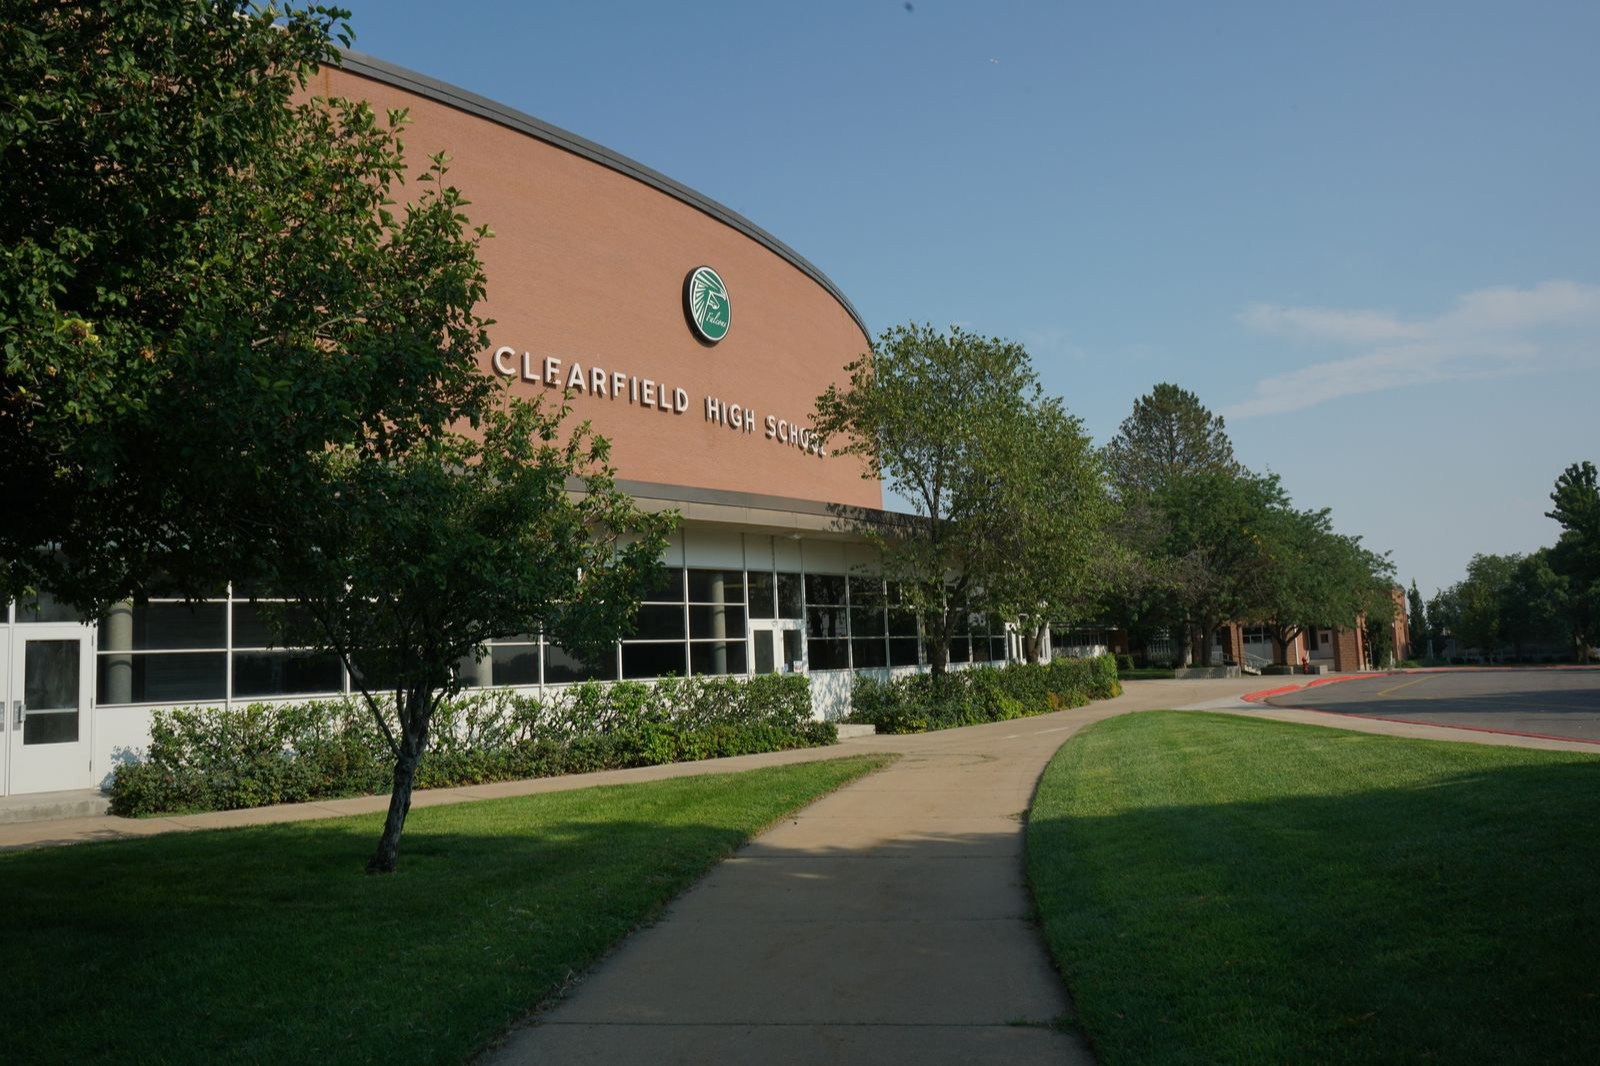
[47, 708]
[779, 647]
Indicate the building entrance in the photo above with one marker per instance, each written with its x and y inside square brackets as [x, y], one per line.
[779, 646]
[46, 670]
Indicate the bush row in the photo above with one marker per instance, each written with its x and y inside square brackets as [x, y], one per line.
[919, 702]
[219, 759]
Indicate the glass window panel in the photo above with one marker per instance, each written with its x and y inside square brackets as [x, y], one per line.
[285, 673]
[997, 649]
[763, 595]
[981, 649]
[825, 622]
[663, 622]
[163, 677]
[902, 622]
[46, 609]
[721, 657]
[902, 651]
[867, 622]
[825, 589]
[50, 727]
[829, 654]
[653, 660]
[716, 622]
[376, 674]
[866, 591]
[169, 627]
[254, 624]
[514, 664]
[960, 650]
[50, 675]
[765, 659]
[704, 586]
[668, 588]
[793, 650]
[790, 601]
[561, 666]
[873, 652]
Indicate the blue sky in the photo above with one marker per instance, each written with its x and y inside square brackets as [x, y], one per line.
[1369, 234]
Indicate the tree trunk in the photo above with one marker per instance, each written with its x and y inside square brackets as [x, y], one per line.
[385, 859]
[1033, 643]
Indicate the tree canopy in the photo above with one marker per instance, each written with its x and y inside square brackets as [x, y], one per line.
[170, 221]
[1169, 436]
[242, 340]
[997, 476]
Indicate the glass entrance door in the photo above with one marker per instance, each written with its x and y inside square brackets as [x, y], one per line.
[779, 646]
[47, 708]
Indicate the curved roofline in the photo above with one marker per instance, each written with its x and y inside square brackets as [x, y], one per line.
[462, 100]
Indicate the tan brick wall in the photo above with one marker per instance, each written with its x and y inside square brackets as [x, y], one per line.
[587, 265]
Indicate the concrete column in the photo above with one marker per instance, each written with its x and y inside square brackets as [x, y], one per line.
[719, 623]
[476, 673]
[116, 635]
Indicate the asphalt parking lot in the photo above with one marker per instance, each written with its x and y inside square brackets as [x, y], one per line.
[1542, 702]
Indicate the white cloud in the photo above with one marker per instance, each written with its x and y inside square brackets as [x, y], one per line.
[1487, 333]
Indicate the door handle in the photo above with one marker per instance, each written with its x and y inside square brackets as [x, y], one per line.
[22, 711]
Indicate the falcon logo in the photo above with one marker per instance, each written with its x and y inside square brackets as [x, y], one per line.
[705, 299]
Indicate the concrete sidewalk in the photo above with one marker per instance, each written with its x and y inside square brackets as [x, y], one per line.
[889, 922]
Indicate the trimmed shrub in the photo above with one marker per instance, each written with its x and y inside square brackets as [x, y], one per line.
[218, 759]
[1125, 663]
[916, 703]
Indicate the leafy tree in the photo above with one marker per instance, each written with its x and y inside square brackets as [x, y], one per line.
[1047, 524]
[1169, 436]
[162, 238]
[1480, 602]
[932, 414]
[1314, 577]
[1533, 604]
[236, 347]
[405, 559]
[1416, 620]
[1576, 556]
[1215, 549]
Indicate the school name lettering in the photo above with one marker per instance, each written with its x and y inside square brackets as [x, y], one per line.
[616, 385]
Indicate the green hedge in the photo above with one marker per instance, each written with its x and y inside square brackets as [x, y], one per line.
[919, 702]
[218, 759]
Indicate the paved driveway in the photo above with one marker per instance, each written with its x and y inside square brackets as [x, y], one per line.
[1540, 702]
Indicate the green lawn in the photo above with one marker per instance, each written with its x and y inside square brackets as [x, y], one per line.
[1221, 889]
[270, 945]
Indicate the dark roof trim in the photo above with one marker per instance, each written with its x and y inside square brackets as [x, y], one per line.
[462, 100]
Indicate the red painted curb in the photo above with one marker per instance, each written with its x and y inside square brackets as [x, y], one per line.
[1262, 697]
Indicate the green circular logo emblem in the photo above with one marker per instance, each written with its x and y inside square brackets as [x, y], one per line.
[705, 299]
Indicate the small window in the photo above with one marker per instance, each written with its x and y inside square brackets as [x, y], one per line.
[641, 660]
[718, 657]
[825, 589]
[716, 586]
[763, 595]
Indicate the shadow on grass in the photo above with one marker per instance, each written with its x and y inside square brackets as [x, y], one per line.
[1452, 915]
[269, 943]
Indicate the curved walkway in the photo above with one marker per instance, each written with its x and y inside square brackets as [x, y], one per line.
[889, 922]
